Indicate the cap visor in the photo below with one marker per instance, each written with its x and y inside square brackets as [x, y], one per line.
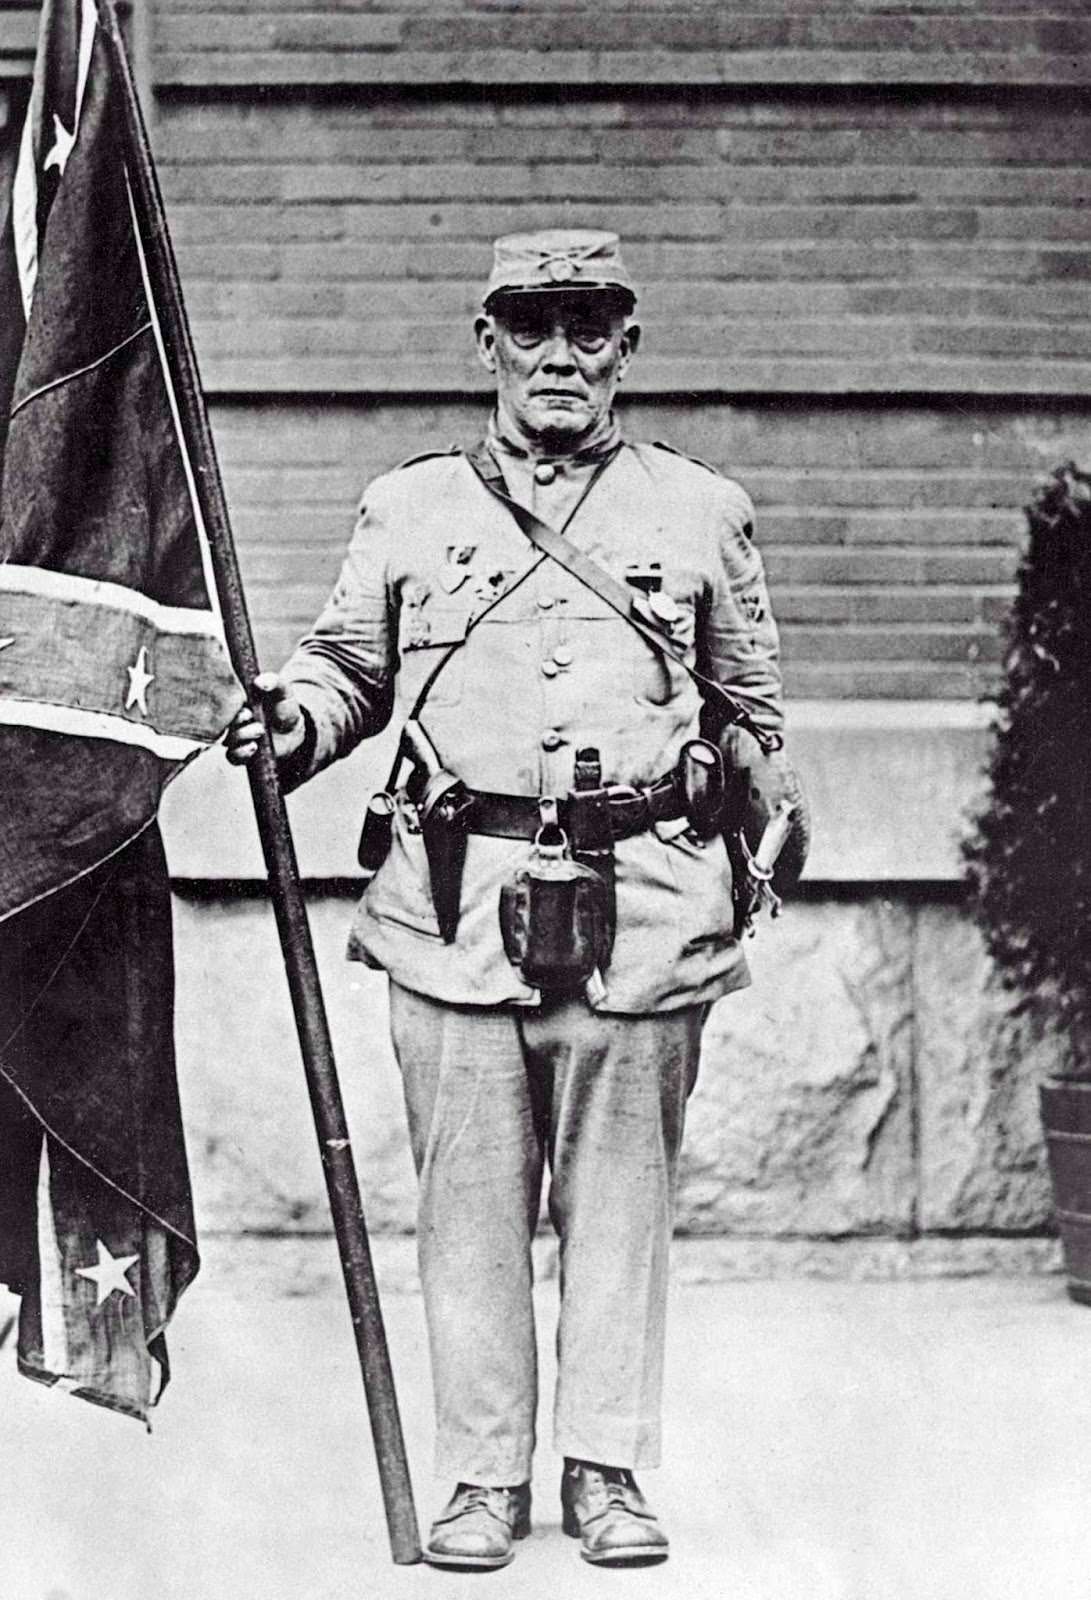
[495, 297]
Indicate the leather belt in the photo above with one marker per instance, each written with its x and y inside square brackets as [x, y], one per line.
[592, 818]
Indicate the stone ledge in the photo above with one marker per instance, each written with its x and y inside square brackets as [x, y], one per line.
[890, 784]
[304, 1265]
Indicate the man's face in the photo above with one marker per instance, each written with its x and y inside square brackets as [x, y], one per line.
[557, 359]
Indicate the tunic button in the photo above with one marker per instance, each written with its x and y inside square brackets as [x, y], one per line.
[550, 669]
[545, 472]
[563, 656]
[551, 739]
[545, 601]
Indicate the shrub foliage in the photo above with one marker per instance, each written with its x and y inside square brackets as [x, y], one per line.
[1029, 860]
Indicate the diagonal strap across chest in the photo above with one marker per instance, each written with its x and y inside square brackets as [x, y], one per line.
[618, 596]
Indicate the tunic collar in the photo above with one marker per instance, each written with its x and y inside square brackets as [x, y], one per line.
[603, 442]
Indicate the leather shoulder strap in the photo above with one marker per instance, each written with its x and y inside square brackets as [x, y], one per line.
[618, 596]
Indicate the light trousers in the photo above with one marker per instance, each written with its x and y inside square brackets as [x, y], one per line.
[492, 1095]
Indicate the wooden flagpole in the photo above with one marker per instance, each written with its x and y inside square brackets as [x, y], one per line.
[276, 840]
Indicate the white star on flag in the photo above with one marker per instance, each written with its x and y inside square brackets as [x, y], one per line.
[139, 680]
[62, 147]
[109, 1274]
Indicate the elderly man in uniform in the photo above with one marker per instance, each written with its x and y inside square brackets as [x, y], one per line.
[554, 909]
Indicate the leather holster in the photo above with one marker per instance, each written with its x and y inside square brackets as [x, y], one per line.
[444, 809]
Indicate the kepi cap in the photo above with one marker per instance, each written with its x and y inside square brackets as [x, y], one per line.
[558, 258]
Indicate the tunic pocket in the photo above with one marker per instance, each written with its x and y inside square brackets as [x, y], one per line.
[426, 633]
[657, 680]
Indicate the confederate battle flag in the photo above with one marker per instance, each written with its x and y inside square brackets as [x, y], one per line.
[113, 674]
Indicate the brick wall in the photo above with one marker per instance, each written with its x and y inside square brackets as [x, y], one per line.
[638, 42]
[832, 242]
[861, 231]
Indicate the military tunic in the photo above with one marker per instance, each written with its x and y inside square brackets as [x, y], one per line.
[551, 670]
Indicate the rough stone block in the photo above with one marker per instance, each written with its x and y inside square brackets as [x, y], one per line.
[868, 1085]
[251, 1140]
[982, 1164]
[800, 1124]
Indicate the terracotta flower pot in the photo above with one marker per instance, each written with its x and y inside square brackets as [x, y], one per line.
[1066, 1117]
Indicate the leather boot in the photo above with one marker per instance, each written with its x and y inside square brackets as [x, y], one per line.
[605, 1510]
[476, 1527]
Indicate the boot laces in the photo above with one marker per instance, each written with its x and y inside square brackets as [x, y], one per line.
[617, 1481]
[479, 1497]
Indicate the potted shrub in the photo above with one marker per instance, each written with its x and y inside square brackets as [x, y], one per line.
[1029, 860]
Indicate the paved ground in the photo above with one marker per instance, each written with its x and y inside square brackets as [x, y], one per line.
[827, 1441]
